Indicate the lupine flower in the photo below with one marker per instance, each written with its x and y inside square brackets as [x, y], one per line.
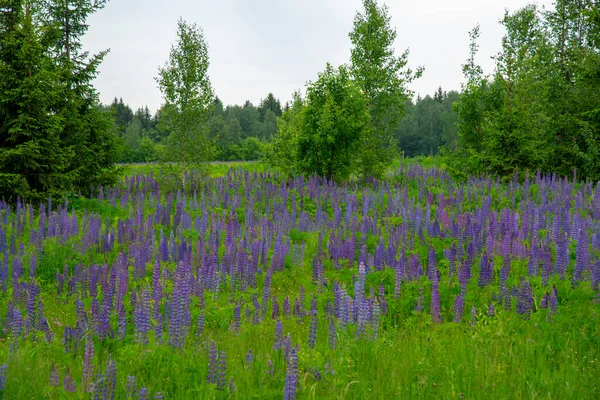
[525, 300]
[332, 334]
[459, 305]
[222, 371]
[491, 311]
[3, 368]
[249, 357]
[88, 366]
[54, 377]
[286, 306]
[435, 302]
[212, 363]
[143, 394]
[278, 335]
[275, 313]
[110, 378]
[131, 387]
[291, 376]
[69, 384]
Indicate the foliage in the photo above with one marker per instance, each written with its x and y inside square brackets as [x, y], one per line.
[53, 138]
[333, 126]
[282, 150]
[189, 97]
[536, 112]
[382, 77]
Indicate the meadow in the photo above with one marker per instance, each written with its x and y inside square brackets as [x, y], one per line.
[243, 283]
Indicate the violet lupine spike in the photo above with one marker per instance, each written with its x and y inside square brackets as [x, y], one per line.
[459, 305]
[131, 387]
[291, 377]
[222, 370]
[491, 310]
[54, 377]
[275, 312]
[486, 271]
[237, 317]
[525, 301]
[110, 379]
[144, 394]
[212, 363]
[249, 358]
[69, 384]
[435, 302]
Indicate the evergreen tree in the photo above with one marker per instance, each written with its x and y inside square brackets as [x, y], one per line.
[34, 162]
[85, 128]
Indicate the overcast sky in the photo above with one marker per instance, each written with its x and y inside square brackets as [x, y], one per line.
[263, 46]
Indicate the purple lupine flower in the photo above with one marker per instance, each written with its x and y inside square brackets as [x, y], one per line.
[278, 335]
[435, 302]
[459, 305]
[249, 358]
[275, 312]
[222, 370]
[212, 363]
[291, 376]
[332, 338]
[432, 271]
[3, 368]
[54, 377]
[143, 394]
[473, 316]
[491, 311]
[88, 366]
[69, 384]
[110, 378]
[237, 317]
[142, 316]
[486, 271]
[525, 302]
[544, 301]
[312, 335]
[286, 307]
[131, 387]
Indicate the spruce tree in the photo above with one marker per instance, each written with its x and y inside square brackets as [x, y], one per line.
[33, 160]
[85, 129]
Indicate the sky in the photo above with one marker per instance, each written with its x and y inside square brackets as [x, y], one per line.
[277, 46]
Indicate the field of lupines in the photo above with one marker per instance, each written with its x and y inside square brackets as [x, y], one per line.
[251, 285]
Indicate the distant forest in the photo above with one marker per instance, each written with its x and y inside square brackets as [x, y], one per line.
[241, 131]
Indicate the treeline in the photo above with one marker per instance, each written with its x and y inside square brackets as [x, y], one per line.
[239, 132]
[540, 109]
[429, 124]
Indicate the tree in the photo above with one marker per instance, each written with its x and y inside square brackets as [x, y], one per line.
[269, 103]
[282, 150]
[86, 129]
[34, 162]
[382, 78]
[189, 98]
[333, 125]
